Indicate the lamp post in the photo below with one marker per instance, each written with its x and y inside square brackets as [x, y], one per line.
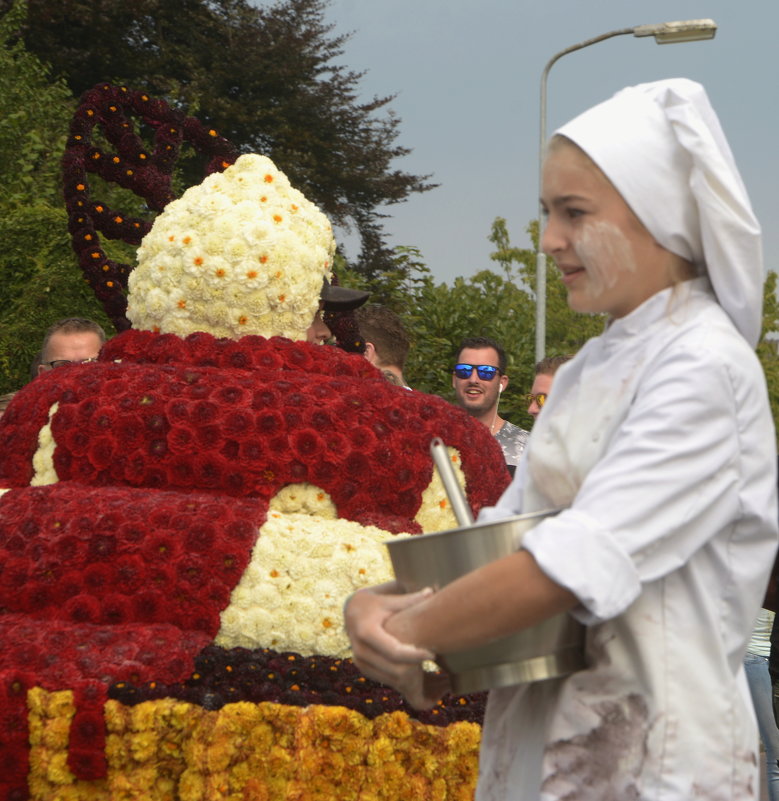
[665, 33]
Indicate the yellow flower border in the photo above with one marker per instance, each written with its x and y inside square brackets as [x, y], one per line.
[167, 749]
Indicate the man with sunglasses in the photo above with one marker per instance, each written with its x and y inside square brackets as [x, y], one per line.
[74, 340]
[542, 384]
[479, 377]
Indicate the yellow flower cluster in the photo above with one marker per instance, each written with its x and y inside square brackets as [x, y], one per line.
[169, 749]
[302, 569]
[50, 715]
[241, 253]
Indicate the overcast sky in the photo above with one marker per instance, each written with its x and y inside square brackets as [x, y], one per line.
[467, 80]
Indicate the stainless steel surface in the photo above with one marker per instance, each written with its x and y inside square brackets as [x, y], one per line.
[462, 512]
[550, 649]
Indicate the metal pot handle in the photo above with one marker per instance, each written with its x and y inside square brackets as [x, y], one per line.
[462, 511]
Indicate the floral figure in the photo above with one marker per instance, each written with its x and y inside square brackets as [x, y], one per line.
[181, 521]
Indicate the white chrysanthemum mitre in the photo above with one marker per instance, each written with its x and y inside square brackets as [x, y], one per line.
[242, 253]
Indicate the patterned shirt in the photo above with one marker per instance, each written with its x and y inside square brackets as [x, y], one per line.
[513, 440]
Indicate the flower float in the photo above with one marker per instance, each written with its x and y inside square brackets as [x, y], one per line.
[181, 521]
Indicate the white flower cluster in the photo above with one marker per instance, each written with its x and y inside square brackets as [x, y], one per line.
[43, 459]
[241, 253]
[305, 499]
[435, 513]
[302, 569]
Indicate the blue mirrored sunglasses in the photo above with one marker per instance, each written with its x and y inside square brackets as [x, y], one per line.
[485, 371]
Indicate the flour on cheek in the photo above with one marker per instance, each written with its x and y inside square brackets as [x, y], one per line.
[605, 252]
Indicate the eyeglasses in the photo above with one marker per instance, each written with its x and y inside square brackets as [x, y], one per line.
[540, 398]
[485, 371]
[62, 362]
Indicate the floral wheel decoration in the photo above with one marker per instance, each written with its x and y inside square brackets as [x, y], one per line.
[146, 172]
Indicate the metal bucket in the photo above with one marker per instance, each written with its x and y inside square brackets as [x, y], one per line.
[545, 651]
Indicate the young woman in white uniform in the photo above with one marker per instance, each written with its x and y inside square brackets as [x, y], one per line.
[659, 440]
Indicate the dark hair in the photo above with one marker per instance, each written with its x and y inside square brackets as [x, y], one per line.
[383, 328]
[550, 364]
[484, 342]
[70, 325]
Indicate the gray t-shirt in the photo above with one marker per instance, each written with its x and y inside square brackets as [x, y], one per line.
[513, 440]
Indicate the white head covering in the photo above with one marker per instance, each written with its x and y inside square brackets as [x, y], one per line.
[661, 146]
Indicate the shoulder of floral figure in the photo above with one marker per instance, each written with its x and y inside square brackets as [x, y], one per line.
[247, 353]
[302, 413]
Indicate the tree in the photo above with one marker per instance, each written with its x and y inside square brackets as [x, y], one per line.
[40, 279]
[265, 78]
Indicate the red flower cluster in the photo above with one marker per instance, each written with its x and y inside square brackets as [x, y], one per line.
[226, 676]
[304, 413]
[116, 556]
[144, 171]
[111, 584]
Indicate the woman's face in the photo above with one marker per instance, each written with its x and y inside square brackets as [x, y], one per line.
[608, 261]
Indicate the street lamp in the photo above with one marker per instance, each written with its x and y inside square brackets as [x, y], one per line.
[691, 30]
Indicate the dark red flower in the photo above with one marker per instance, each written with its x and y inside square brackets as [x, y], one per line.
[101, 452]
[203, 412]
[231, 395]
[208, 436]
[116, 609]
[82, 609]
[99, 577]
[131, 573]
[269, 422]
[101, 546]
[306, 444]
[200, 537]
[237, 423]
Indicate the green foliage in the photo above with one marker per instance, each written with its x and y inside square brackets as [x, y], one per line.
[265, 77]
[34, 117]
[39, 279]
[41, 284]
[769, 342]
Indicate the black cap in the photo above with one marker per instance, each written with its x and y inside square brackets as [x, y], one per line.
[339, 298]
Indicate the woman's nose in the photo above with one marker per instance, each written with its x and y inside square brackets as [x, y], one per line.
[552, 240]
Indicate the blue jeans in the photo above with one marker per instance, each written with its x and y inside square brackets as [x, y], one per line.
[759, 682]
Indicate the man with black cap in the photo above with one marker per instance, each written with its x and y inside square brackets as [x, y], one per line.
[335, 299]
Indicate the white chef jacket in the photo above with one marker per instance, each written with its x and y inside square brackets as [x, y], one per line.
[659, 437]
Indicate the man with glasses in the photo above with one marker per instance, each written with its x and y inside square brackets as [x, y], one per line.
[479, 377]
[542, 384]
[74, 340]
